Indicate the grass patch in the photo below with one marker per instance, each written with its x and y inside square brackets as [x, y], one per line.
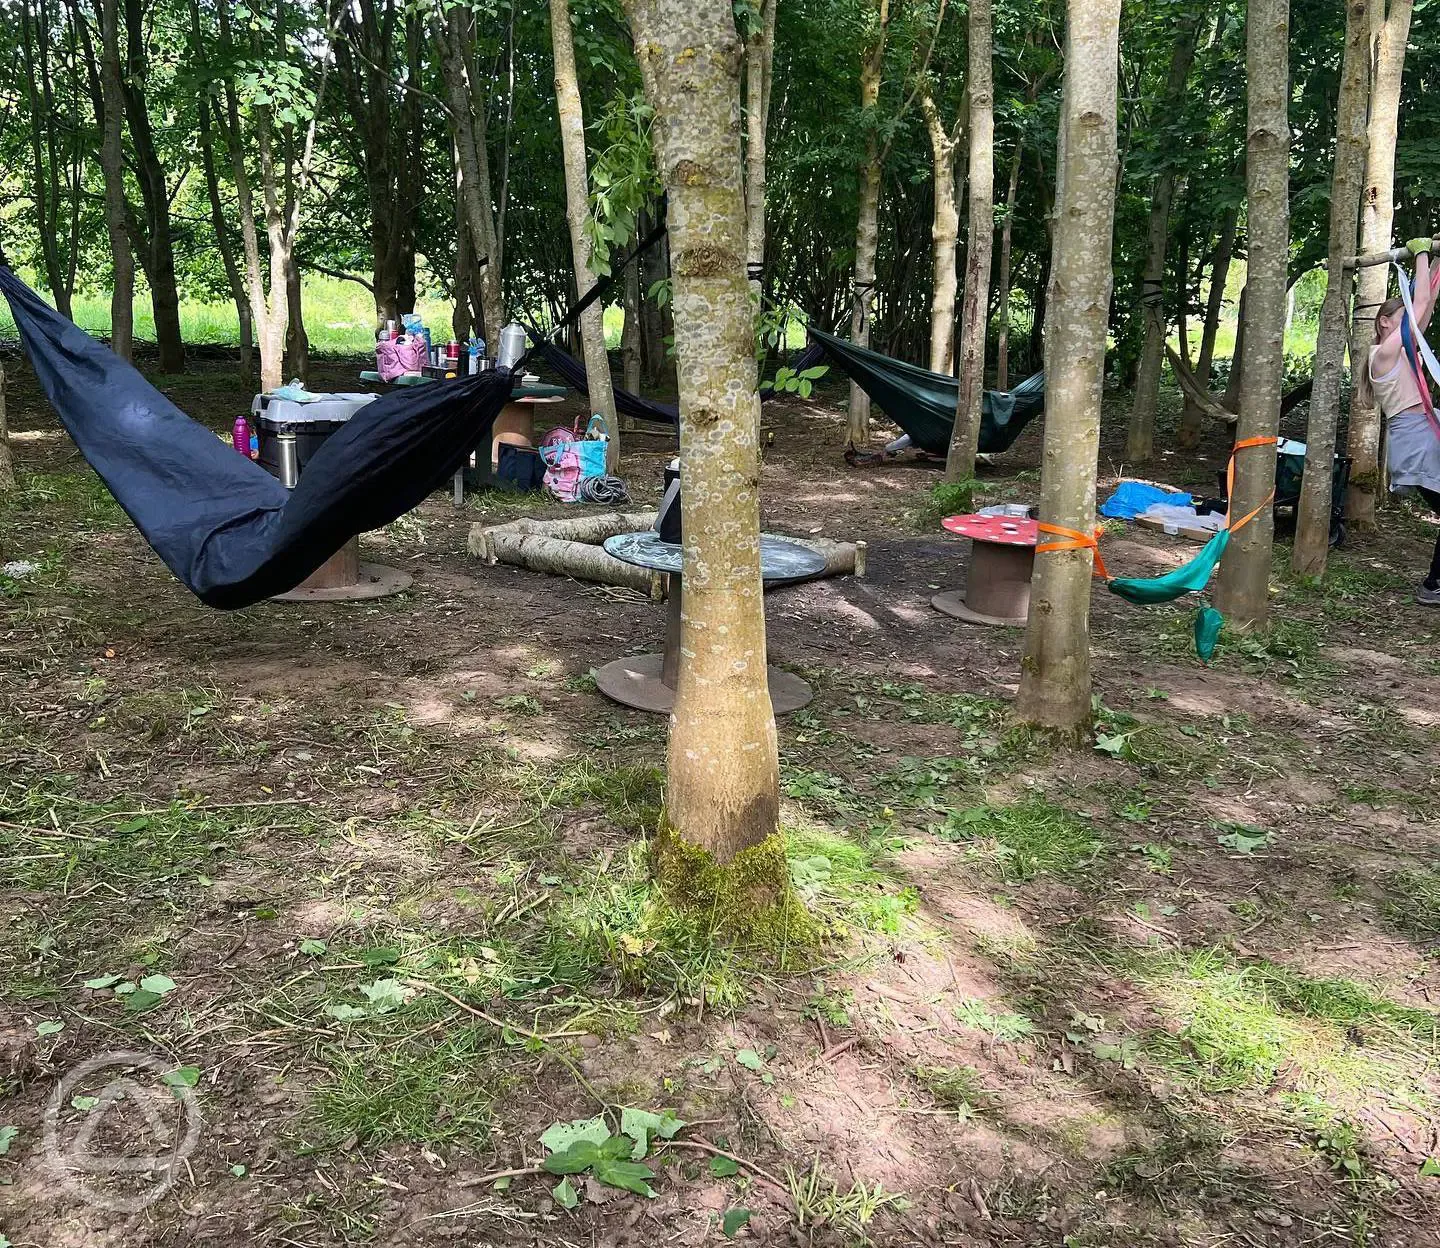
[953, 1087]
[411, 1090]
[1024, 840]
[945, 498]
[629, 796]
[1414, 902]
[1240, 1026]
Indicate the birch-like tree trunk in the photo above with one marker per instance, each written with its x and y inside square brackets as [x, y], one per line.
[1243, 590]
[867, 223]
[7, 456]
[1192, 419]
[944, 235]
[577, 214]
[759, 58]
[112, 166]
[980, 92]
[1140, 441]
[1055, 669]
[723, 789]
[1312, 522]
[1002, 345]
[1377, 219]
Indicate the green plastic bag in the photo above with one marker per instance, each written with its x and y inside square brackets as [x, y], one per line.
[1185, 579]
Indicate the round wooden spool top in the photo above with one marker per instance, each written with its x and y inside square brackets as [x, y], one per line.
[1003, 530]
[997, 590]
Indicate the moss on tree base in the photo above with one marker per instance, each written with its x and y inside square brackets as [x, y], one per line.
[749, 899]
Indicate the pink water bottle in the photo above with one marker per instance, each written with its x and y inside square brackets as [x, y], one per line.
[240, 436]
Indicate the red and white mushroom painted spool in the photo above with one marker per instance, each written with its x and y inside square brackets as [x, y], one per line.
[1002, 560]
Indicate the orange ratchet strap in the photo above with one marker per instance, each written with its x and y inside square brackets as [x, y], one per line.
[1230, 480]
[1076, 540]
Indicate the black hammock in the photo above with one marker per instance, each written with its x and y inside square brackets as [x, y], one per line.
[628, 403]
[228, 529]
[922, 403]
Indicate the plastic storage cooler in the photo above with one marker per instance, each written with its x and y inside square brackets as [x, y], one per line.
[290, 432]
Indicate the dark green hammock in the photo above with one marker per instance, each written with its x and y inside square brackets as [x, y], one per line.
[922, 403]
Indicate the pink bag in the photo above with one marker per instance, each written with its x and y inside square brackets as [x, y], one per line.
[396, 357]
[563, 470]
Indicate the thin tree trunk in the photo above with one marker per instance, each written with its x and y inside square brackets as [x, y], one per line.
[112, 165]
[1192, 419]
[944, 237]
[867, 231]
[1377, 219]
[469, 134]
[1140, 441]
[218, 224]
[980, 91]
[7, 456]
[1312, 523]
[45, 181]
[461, 319]
[1243, 591]
[1235, 383]
[630, 335]
[1002, 360]
[159, 244]
[222, 239]
[759, 57]
[577, 214]
[1055, 670]
[722, 795]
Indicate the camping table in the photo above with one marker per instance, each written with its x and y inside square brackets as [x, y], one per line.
[647, 681]
[515, 424]
[1002, 560]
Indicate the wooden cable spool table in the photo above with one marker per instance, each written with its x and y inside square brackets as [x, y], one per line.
[1002, 561]
[647, 682]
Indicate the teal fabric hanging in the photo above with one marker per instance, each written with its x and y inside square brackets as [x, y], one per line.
[1208, 623]
[1186, 579]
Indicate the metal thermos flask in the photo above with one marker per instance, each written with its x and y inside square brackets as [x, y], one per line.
[512, 345]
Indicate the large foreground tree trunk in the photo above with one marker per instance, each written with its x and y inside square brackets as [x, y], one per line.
[1377, 219]
[980, 91]
[1243, 591]
[944, 235]
[1055, 669]
[1312, 525]
[722, 795]
[867, 223]
[112, 165]
[1140, 441]
[577, 213]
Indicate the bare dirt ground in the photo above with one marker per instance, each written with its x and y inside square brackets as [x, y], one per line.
[367, 884]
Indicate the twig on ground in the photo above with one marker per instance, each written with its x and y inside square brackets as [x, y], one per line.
[496, 1175]
[426, 986]
[763, 1175]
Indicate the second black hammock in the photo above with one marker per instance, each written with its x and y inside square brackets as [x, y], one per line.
[228, 529]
